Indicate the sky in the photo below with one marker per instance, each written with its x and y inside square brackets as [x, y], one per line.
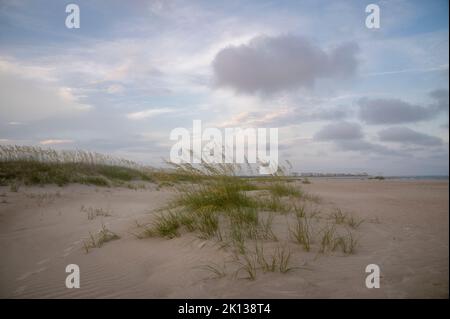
[345, 98]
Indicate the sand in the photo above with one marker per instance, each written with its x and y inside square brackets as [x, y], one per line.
[42, 230]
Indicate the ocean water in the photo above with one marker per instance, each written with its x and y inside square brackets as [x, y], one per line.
[430, 177]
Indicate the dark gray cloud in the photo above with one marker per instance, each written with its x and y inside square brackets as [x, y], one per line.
[396, 111]
[271, 64]
[333, 113]
[340, 131]
[360, 145]
[392, 111]
[441, 100]
[348, 136]
[406, 135]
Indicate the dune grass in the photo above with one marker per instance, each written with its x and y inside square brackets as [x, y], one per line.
[31, 173]
[302, 232]
[218, 271]
[280, 189]
[332, 241]
[277, 260]
[347, 243]
[215, 202]
[32, 165]
[354, 222]
[103, 236]
[340, 217]
[222, 207]
[222, 195]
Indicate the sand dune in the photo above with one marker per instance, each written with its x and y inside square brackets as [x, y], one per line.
[42, 229]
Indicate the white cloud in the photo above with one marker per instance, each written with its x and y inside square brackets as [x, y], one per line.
[148, 113]
[115, 89]
[24, 99]
[26, 70]
[55, 142]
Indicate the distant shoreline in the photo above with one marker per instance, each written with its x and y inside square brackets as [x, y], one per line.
[424, 177]
[387, 177]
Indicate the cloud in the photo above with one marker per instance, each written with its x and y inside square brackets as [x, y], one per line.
[441, 99]
[270, 64]
[408, 136]
[329, 114]
[148, 113]
[24, 99]
[115, 89]
[259, 119]
[392, 111]
[412, 70]
[347, 136]
[55, 142]
[25, 70]
[340, 131]
[359, 145]
[284, 116]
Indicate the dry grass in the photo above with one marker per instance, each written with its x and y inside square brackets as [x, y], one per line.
[213, 201]
[98, 240]
[31, 165]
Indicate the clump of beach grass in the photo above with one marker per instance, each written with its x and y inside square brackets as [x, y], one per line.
[354, 222]
[30, 165]
[277, 261]
[98, 240]
[220, 207]
[347, 243]
[165, 225]
[302, 232]
[279, 189]
[338, 216]
[300, 211]
[249, 266]
[266, 231]
[327, 239]
[332, 241]
[218, 271]
[274, 204]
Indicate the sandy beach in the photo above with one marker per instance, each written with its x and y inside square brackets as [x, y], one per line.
[42, 229]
